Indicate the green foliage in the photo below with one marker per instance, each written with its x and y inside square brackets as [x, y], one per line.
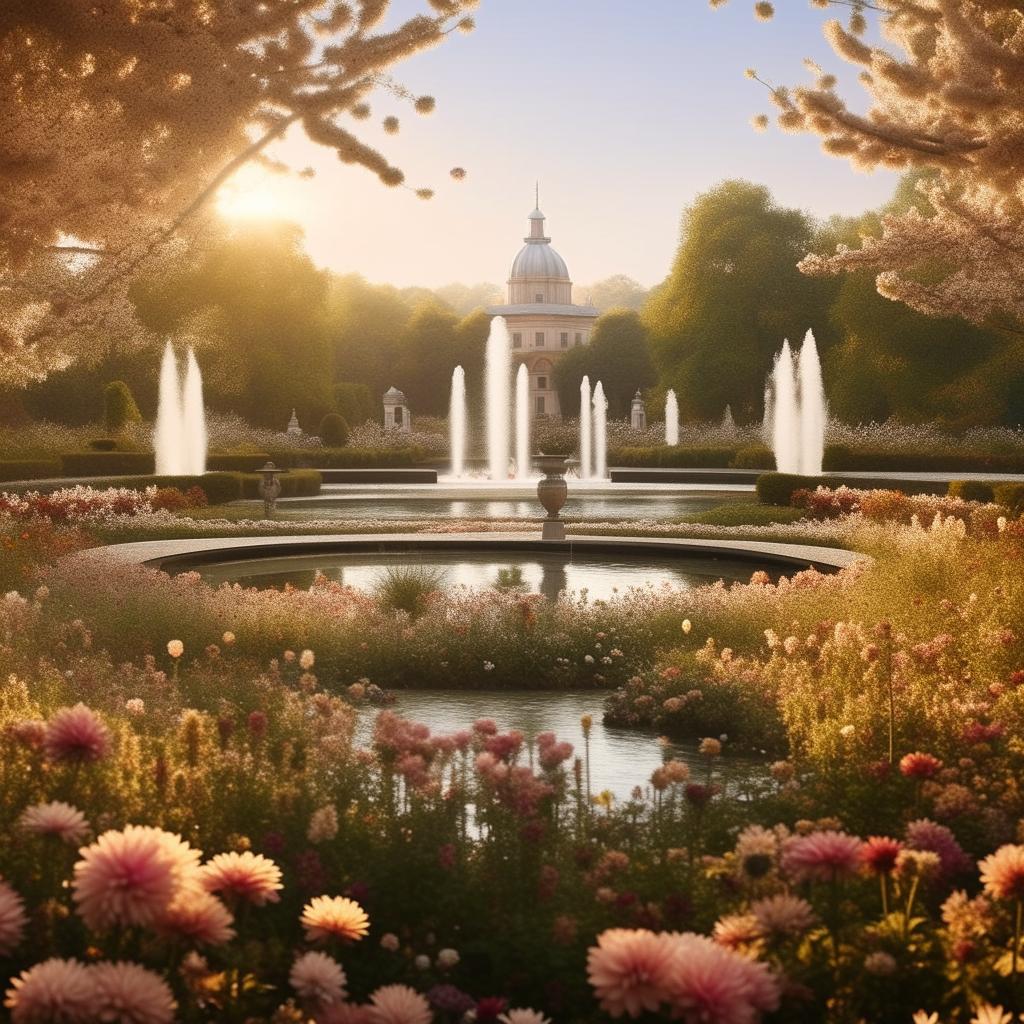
[218, 487]
[838, 457]
[1011, 496]
[970, 490]
[778, 488]
[106, 463]
[733, 294]
[743, 514]
[334, 430]
[753, 456]
[295, 483]
[354, 402]
[247, 462]
[348, 458]
[618, 355]
[673, 457]
[103, 444]
[407, 588]
[119, 408]
[28, 469]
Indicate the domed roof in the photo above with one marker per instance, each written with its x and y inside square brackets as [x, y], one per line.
[538, 259]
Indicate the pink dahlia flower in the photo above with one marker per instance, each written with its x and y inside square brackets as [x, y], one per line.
[76, 734]
[54, 990]
[337, 916]
[130, 994]
[822, 856]
[920, 766]
[783, 914]
[56, 819]
[736, 930]
[12, 918]
[1002, 873]
[131, 877]
[880, 853]
[199, 916]
[398, 1004]
[631, 970]
[249, 876]
[713, 985]
[524, 1017]
[318, 978]
[928, 835]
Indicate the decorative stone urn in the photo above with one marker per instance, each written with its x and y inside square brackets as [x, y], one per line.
[269, 488]
[552, 491]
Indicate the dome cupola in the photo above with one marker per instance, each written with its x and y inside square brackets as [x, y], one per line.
[538, 273]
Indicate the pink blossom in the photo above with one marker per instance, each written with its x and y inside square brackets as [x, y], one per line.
[783, 914]
[822, 856]
[196, 915]
[398, 1004]
[76, 734]
[928, 835]
[54, 990]
[130, 994]
[631, 970]
[12, 918]
[56, 819]
[248, 876]
[318, 978]
[920, 766]
[1002, 873]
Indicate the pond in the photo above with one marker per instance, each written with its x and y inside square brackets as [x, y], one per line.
[619, 758]
[598, 576]
[601, 507]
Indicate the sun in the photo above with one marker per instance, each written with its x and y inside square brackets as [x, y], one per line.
[254, 195]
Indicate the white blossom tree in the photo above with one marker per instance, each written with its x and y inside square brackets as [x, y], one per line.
[122, 119]
[946, 92]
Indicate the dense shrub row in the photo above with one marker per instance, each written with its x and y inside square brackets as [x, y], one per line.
[28, 469]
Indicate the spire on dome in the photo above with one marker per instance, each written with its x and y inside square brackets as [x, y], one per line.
[536, 219]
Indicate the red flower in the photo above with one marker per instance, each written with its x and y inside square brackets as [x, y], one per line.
[920, 766]
[880, 853]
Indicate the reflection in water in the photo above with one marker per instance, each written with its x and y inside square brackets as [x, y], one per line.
[619, 758]
[595, 507]
[543, 572]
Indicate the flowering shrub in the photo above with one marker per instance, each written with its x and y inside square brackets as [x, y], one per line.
[82, 504]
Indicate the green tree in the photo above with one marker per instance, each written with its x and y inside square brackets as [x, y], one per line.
[618, 355]
[354, 402]
[428, 356]
[733, 295]
[119, 408]
[615, 292]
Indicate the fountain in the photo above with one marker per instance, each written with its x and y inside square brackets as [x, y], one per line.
[457, 421]
[585, 429]
[600, 433]
[168, 431]
[671, 418]
[813, 410]
[498, 372]
[179, 437]
[522, 423]
[193, 419]
[795, 410]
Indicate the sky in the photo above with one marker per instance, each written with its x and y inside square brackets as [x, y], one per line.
[624, 110]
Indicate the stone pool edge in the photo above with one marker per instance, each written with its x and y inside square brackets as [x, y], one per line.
[180, 552]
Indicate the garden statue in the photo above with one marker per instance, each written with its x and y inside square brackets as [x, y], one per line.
[294, 430]
[269, 488]
[637, 413]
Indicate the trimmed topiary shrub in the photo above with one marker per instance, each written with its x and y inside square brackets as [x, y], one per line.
[239, 463]
[296, 483]
[970, 490]
[778, 488]
[107, 463]
[1011, 496]
[348, 458]
[103, 444]
[840, 456]
[334, 430]
[28, 469]
[119, 408]
[753, 456]
[672, 457]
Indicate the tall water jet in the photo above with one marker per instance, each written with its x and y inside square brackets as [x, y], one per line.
[671, 417]
[813, 411]
[522, 423]
[585, 429]
[193, 418]
[497, 375]
[457, 421]
[600, 433]
[168, 434]
[785, 413]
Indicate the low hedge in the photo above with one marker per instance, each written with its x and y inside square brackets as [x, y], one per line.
[28, 469]
[218, 487]
[970, 490]
[838, 457]
[296, 483]
[672, 457]
[753, 456]
[1010, 495]
[107, 463]
[347, 458]
[247, 462]
[778, 488]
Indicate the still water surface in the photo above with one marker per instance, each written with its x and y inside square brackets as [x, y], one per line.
[619, 758]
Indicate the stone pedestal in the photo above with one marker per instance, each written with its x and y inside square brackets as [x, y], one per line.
[552, 491]
[637, 413]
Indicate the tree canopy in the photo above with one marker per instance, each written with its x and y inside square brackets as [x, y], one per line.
[121, 120]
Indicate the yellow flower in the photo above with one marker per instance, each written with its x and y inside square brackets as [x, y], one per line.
[687, 626]
[175, 648]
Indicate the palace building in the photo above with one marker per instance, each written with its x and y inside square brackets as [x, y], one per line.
[542, 320]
